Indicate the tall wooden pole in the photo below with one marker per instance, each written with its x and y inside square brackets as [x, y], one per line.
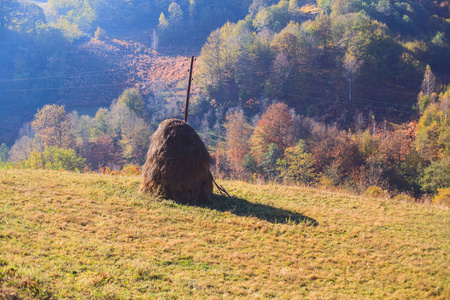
[189, 90]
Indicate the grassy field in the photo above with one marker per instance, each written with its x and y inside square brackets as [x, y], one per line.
[90, 236]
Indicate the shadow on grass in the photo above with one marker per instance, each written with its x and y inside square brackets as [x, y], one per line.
[242, 207]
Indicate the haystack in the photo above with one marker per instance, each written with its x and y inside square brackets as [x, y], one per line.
[177, 165]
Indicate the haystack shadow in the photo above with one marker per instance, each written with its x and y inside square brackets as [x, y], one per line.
[244, 208]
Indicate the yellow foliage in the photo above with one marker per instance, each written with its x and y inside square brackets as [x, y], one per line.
[310, 9]
[442, 197]
[375, 191]
[326, 182]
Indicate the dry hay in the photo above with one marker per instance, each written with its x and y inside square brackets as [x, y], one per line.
[177, 165]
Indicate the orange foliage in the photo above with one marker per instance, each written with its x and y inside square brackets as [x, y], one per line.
[275, 127]
[238, 133]
[127, 170]
[332, 148]
[220, 159]
[396, 145]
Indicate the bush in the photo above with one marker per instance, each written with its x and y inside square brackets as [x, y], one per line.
[55, 158]
[436, 176]
[375, 191]
[442, 197]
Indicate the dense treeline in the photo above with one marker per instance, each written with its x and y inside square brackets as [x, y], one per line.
[412, 158]
[327, 60]
[408, 160]
[56, 139]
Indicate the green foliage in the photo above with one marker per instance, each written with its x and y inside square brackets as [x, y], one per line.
[29, 48]
[132, 99]
[100, 123]
[135, 141]
[163, 23]
[297, 165]
[320, 28]
[70, 31]
[114, 136]
[20, 16]
[54, 158]
[436, 175]
[375, 191]
[274, 17]
[78, 12]
[439, 39]
[422, 101]
[250, 164]
[269, 162]
[325, 5]
[175, 15]
[4, 153]
[342, 7]
[433, 136]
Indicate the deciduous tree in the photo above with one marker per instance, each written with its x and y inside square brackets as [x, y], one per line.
[132, 99]
[53, 126]
[238, 133]
[429, 82]
[274, 127]
[296, 166]
[351, 66]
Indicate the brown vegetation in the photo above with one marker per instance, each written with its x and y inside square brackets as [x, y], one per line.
[177, 164]
[139, 64]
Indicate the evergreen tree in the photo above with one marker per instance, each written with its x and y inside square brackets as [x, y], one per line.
[269, 162]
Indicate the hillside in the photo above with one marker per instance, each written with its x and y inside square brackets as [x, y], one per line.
[97, 72]
[138, 63]
[68, 235]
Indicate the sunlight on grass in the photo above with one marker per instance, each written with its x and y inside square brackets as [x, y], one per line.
[67, 235]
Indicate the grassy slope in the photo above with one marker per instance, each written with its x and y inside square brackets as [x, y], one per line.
[67, 235]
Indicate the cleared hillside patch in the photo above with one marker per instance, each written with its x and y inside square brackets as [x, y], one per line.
[68, 235]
